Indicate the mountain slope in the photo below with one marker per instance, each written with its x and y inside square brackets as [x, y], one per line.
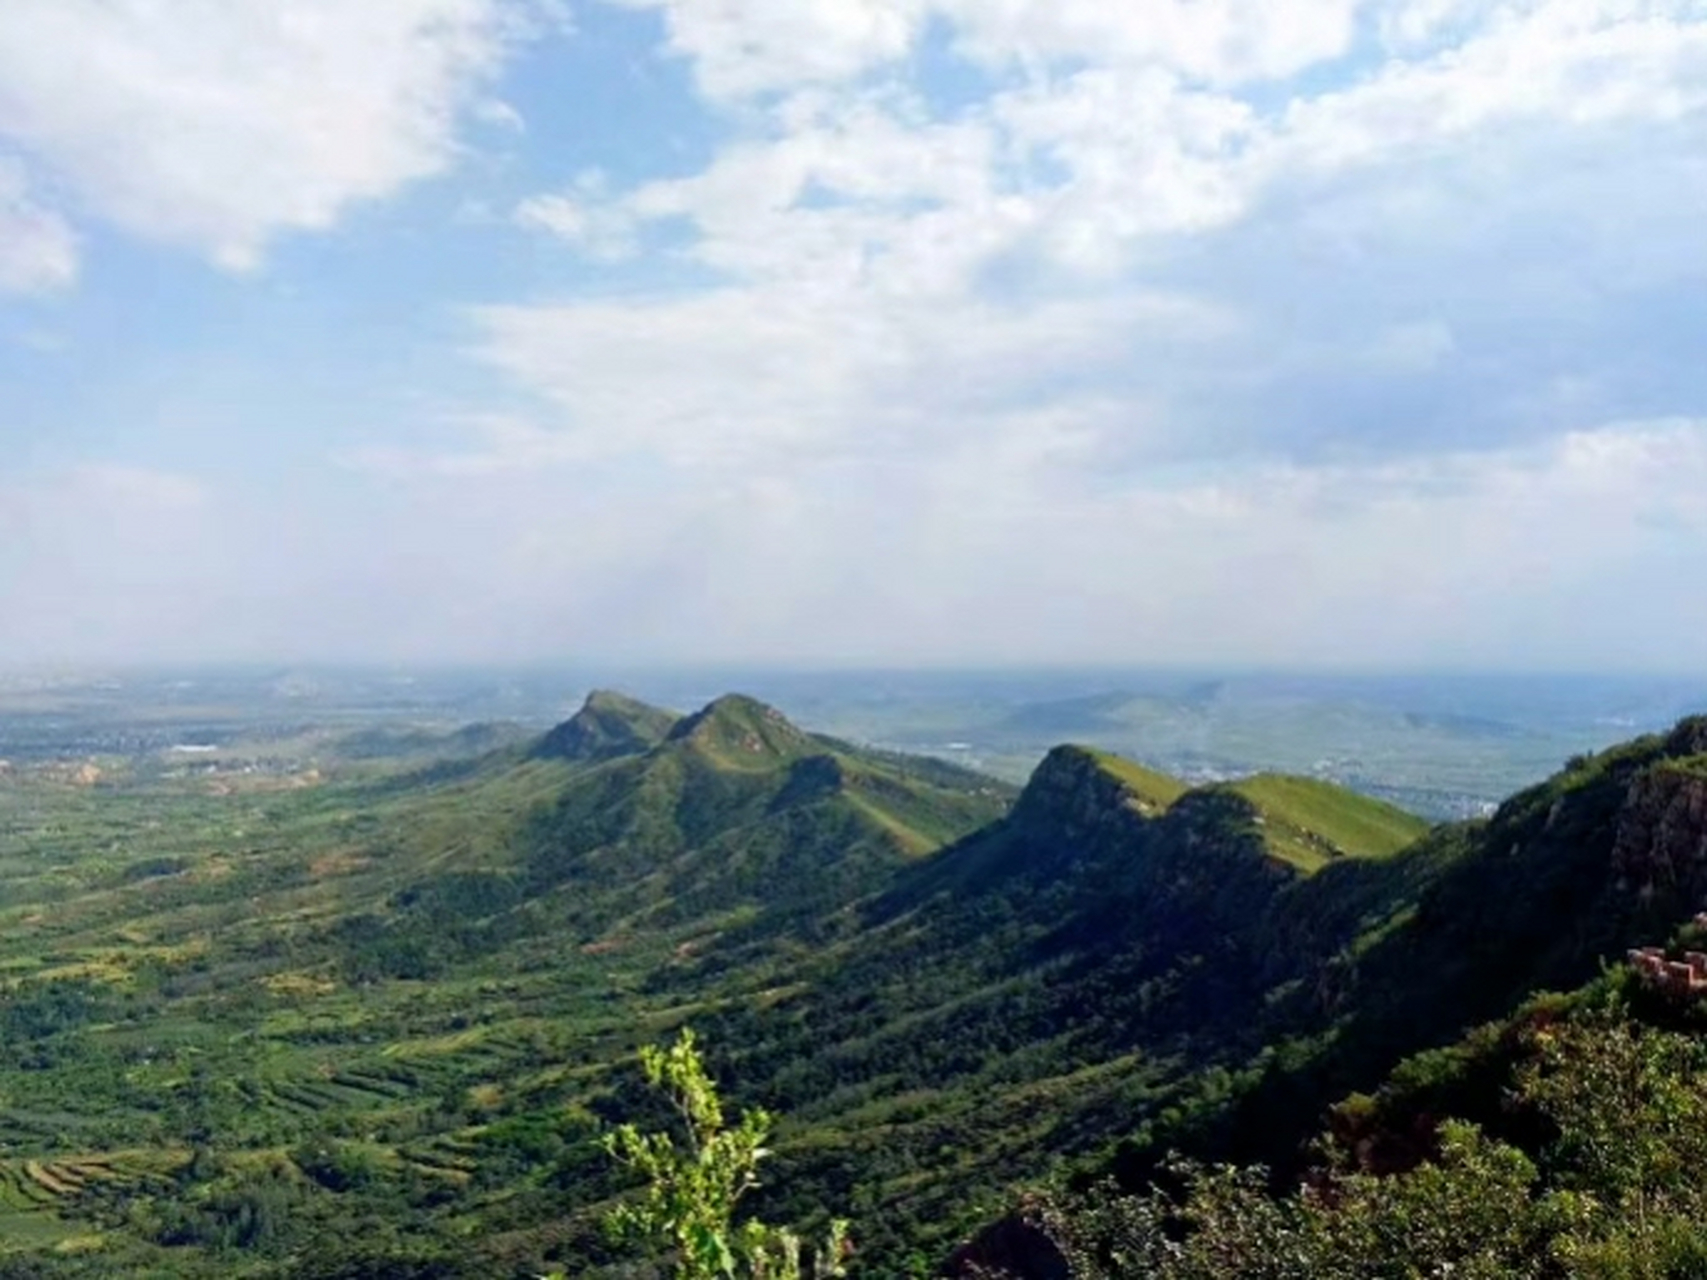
[1608, 854]
[608, 725]
[1112, 938]
[737, 807]
[626, 826]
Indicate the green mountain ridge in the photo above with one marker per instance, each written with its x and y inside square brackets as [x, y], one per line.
[1565, 877]
[735, 806]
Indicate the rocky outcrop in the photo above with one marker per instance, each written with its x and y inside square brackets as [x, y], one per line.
[1661, 842]
[1076, 800]
[1018, 1247]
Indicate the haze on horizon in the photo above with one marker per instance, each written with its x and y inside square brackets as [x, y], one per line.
[1251, 332]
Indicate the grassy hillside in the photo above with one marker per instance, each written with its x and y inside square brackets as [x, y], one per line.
[1152, 792]
[1308, 823]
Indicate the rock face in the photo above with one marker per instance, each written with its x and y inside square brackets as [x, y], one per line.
[1071, 796]
[1661, 843]
[1018, 1247]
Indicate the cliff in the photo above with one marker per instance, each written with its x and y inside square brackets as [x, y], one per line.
[1660, 849]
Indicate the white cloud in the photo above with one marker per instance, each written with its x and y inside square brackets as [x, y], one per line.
[765, 46]
[38, 251]
[585, 216]
[1565, 552]
[1568, 63]
[1130, 350]
[774, 376]
[220, 124]
[1145, 154]
[1147, 350]
[1236, 278]
[1094, 163]
[1220, 41]
[742, 47]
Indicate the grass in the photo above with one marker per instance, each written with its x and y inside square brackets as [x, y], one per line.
[1305, 822]
[1154, 792]
[1308, 823]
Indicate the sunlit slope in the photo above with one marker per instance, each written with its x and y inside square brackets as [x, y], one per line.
[1305, 822]
[1151, 790]
[1308, 823]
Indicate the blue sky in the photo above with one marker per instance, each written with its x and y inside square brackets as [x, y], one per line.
[1281, 332]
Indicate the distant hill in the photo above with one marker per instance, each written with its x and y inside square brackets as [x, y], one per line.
[411, 743]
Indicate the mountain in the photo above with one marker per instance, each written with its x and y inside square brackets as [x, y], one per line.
[1609, 854]
[626, 823]
[608, 725]
[248, 1031]
[735, 805]
[1096, 951]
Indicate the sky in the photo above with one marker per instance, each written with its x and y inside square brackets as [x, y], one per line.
[1324, 333]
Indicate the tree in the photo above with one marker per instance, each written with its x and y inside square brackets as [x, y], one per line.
[696, 1178]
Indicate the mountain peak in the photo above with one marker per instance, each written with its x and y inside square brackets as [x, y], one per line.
[741, 731]
[1089, 782]
[608, 725]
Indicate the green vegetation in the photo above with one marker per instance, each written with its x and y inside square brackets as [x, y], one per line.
[692, 1188]
[1153, 792]
[1588, 1165]
[1307, 823]
[377, 1019]
[275, 1025]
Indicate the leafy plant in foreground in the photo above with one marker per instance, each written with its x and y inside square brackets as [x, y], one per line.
[693, 1187]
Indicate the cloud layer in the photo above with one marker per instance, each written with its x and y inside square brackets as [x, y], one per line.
[218, 125]
[1306, 331]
